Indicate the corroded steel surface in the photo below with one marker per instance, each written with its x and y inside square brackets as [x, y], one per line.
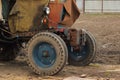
[72, 13]
[55, 14]
[63, 13]
[26, 15]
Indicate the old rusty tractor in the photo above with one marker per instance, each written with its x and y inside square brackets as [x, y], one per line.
[43, 29]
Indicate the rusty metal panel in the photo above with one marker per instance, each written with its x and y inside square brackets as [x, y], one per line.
[55, 14]
[74, 37]
[71, 13]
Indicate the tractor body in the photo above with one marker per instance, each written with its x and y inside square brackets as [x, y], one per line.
[45, 28]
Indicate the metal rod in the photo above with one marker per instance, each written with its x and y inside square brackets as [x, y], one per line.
[102, 7]
[83, 6]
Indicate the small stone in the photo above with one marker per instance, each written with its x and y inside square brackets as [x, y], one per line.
[39, 78]
[83, 76]
[107, 79]
[30, 78]
[8, 73]
[77, 78]
[72, 78]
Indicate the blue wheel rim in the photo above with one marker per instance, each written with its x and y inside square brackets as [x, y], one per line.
[44, 55]
[79, 55]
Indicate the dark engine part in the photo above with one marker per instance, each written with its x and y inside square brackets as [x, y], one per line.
[8, 51]
[5, 35]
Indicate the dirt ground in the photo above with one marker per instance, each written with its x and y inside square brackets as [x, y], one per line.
[106, 29]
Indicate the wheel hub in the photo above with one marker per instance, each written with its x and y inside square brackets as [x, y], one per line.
[45, 54]
[78, 54]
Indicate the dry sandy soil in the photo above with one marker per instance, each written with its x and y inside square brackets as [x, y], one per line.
[106, 29]
[18, 70]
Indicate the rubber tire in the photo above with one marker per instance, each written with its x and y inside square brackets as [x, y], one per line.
[60, 52]
[93, 47]
[64, 44]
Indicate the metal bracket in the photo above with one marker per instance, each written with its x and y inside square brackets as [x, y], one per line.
[83, 37]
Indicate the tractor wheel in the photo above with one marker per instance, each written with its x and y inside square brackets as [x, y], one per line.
[9, 53]
[86, 54]
[46, 54]
[64, 45]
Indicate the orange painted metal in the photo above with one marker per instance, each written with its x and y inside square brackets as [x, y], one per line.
[55, 13]
[71, 13]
